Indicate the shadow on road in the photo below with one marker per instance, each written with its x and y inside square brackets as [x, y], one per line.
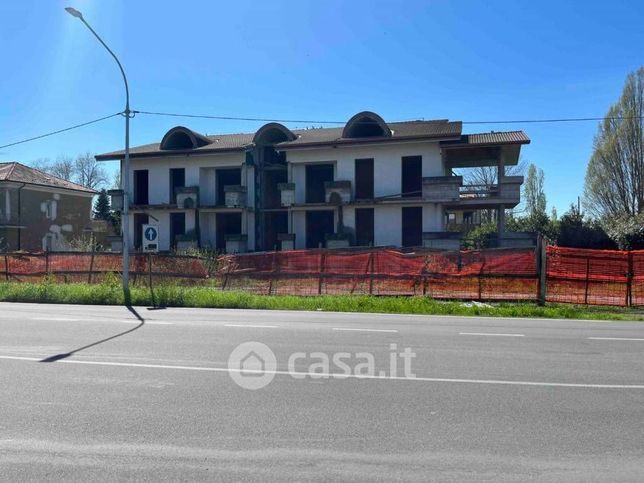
[58, 357]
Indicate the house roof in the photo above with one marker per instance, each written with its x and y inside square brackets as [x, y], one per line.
[508, 137]
[19, 173]
[412, 130]
[443, 130]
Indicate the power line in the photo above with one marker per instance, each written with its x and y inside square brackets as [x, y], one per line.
[569, 119]
[231, 118]
[62, 130]
[309, 121]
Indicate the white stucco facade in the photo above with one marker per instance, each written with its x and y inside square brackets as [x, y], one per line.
[387, 167]
[259, 189]
[200, 171]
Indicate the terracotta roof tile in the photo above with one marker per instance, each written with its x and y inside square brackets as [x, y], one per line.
[238, 142]
[509, 137]
[20, 173]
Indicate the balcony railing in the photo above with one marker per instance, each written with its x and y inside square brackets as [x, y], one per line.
[235, 196]
[441, 189]
[478, 190]
[449, 189]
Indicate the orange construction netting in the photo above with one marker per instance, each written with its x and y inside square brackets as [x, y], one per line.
[606, 277]
[502, 274]
[601, 277]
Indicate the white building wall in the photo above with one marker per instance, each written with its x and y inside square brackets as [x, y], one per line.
[299, 228]
[200, 171]
[387, 181]
[433, 219]
[387, 164]
[387, 225]
[163, 217]
[196, 169]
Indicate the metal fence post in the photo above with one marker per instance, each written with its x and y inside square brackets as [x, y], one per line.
[322, 259]
[542, 269]
[587, 281]
[6, 267]
[371, 270]
[273, 273]
[91, 268]
[629, 280]
[150, 270]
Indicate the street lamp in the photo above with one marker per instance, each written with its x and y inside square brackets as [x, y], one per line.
[125, 168]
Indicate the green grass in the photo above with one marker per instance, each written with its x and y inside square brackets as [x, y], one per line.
[176, 296]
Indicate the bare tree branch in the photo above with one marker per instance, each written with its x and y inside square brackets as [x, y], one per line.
[615, 175]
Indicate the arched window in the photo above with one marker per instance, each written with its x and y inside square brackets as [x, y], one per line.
[273, 133]
[366, 124]
[182, 138]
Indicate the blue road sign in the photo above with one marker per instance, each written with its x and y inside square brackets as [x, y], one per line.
[151, 233]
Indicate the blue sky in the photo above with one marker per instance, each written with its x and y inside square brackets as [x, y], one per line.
[326, 60]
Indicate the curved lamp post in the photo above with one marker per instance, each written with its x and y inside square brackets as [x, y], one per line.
[125, 168]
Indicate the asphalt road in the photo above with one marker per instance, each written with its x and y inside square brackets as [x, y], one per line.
[97, 393]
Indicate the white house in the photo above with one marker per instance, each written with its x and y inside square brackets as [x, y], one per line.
[369, 183]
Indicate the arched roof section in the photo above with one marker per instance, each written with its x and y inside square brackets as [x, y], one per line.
[366, 124]
[182, 138]
[273, 133]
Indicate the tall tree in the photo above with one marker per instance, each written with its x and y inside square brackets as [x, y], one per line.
[533, 191]
[102, 210]
[615, 174]
[63, 167]
[89, 172]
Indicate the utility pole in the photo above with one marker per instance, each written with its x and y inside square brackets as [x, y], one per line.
[125, 167]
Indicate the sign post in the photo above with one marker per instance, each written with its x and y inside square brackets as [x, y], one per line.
[150, 238]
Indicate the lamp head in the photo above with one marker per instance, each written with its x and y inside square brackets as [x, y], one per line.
[73, 12]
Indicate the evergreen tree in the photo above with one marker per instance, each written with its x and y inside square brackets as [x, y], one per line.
[102, 209]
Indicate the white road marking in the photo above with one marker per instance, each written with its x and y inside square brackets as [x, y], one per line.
[252, 326]
[492, 334]
[613, 338]
[337, 376]
[364, 330]
[57, 319]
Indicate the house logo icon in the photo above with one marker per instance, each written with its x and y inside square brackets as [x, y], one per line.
[252, 365]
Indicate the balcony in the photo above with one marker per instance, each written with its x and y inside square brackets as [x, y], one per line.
[235, 196]
[507, 192]
[442, 189]
[287, 194]
[450, 191]
[187, 197]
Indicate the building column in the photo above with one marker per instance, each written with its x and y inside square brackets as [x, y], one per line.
[500, 220]
[500, 169]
